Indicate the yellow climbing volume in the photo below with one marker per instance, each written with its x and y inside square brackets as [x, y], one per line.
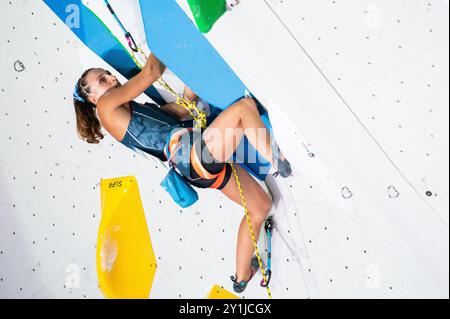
[126, 264]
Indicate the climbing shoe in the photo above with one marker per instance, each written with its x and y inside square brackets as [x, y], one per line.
[239, 287]
[283, 168]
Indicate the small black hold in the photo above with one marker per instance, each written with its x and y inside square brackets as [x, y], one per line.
[19, 66]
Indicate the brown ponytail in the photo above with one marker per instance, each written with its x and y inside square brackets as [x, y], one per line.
[88, 124]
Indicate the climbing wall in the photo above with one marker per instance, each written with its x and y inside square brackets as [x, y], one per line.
[358, 95]
[50, 193]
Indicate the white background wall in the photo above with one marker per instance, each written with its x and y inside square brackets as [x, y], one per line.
[362, 84]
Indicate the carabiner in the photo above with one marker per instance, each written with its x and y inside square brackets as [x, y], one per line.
[131, 43]
[268, 275]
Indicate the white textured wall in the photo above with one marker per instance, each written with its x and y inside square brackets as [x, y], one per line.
[361, 84]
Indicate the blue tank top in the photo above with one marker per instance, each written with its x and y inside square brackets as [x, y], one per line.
[149, 129]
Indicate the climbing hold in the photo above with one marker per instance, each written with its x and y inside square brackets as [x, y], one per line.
[207, 12]
[218, 292]
[346, 192]
[126, 263]
[19, 66]
[393, 192]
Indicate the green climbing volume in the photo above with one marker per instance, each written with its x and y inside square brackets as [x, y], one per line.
[207, 12]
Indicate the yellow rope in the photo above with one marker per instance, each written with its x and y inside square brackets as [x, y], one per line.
[191, 106]
[198, 116]
[244, 204]
[200, 122]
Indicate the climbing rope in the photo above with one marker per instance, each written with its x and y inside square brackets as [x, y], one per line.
[191, 106]
[255, 246]
[200, 122]
[198, 115]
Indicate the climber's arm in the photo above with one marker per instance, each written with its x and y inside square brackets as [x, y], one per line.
[175, 110]
[189, 94]
[133, 88]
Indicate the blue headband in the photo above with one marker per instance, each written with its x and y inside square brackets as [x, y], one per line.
[76, 94]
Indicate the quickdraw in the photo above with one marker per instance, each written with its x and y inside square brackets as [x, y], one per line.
[268, 227]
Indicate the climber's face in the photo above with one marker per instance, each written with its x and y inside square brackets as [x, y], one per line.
[100, 81]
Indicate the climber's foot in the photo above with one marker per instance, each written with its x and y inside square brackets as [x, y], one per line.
[283, 167]
[239, 286]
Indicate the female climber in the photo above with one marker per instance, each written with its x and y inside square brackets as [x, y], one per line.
[101, 101]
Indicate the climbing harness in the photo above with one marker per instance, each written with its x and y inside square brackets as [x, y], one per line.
[200, 122]
[173, 146]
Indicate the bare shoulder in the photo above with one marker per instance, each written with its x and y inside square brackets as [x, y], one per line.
[115, 121]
